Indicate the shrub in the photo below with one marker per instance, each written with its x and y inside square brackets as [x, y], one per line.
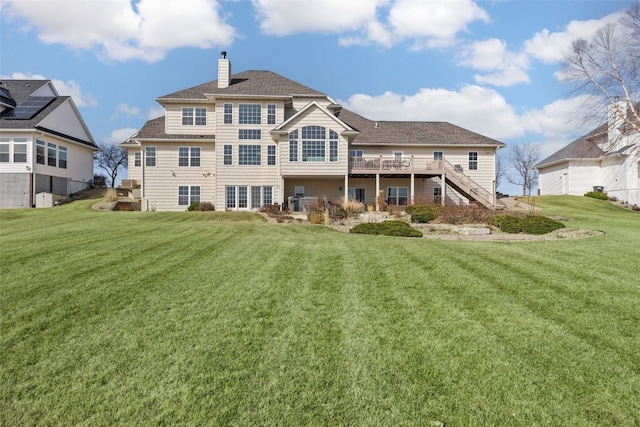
[463, 214]
[387, 228]
[201, 206]
[597, 195]
[316, 216]
[421, 213]
[531, 224]
[538, 224]
[507, 223]
[351, 207]
[111, 195]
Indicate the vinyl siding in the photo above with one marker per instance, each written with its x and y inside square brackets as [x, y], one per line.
[174, 120]
[315, 117]
[162, 181]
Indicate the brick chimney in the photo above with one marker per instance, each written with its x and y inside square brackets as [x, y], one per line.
[224, 71]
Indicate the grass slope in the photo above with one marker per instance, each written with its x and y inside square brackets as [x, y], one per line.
[222, 319]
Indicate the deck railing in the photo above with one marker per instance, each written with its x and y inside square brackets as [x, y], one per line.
[453, 173]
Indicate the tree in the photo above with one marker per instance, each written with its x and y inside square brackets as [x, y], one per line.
[606, 71]
[522, 159]
[111, 158]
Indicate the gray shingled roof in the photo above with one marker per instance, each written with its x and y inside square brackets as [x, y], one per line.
[20, 90]
[584, 147]
[267, 83]
[250, 82]
[419, 133]
[155, 129]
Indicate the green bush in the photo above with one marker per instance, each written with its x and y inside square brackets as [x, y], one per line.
[387, 228]
[537, 224]
[531, 224]
[201, 206]
[597, 195]
[421, 213]
[508, 223]
[423, 217]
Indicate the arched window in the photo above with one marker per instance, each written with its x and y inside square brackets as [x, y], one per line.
[313, 144]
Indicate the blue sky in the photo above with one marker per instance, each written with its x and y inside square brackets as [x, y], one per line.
[488, 66]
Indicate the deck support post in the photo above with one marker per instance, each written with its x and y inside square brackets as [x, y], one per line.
[377, 192]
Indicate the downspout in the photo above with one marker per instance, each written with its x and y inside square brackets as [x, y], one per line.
[142, 162]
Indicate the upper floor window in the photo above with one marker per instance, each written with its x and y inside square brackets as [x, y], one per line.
[473, 160]
[228, 114]
[333, 146]
[62, 157]
[194, 116]
[249, 114]
[13, 150]
[228, 154]
[51, 154]
[271, 155]
[271, 114]
[293, 146]
[150, 156]
[249, 134]
[313, 143]
[249, 155]
[137, 159]
[438, 155]
[4, 152]
[189, 156]
[40, 156]
[356, 153]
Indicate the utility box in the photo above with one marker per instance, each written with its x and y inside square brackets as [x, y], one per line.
[48, 200]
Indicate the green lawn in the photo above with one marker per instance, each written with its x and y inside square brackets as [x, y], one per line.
[202, 318]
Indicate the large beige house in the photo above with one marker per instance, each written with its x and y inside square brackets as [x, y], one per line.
[256, 138]
[46, 149]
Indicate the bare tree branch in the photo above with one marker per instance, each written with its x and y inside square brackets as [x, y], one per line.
[522, 159]
[111, 158]
[606, 70]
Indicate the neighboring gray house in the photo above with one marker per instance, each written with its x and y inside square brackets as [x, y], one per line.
[45, 146]
[607, 159]
[257, 138]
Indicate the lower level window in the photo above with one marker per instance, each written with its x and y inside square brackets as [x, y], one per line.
[397, 195]
[188, 195]
[243, 196]
[357, 194]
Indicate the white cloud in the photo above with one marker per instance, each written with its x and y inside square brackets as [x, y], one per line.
[119, 135]
[283, 17]
[155, 112]
[552, 47]
[372, 22]
[64, 88]
[434, 22]
[476, 108]
[126, 110]
[122, 29]
[505, 68]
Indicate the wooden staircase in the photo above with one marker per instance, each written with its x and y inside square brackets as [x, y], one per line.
[466, 186]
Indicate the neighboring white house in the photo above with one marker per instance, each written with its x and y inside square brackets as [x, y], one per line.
[45, 146]
[606, 159]
[256, 138]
